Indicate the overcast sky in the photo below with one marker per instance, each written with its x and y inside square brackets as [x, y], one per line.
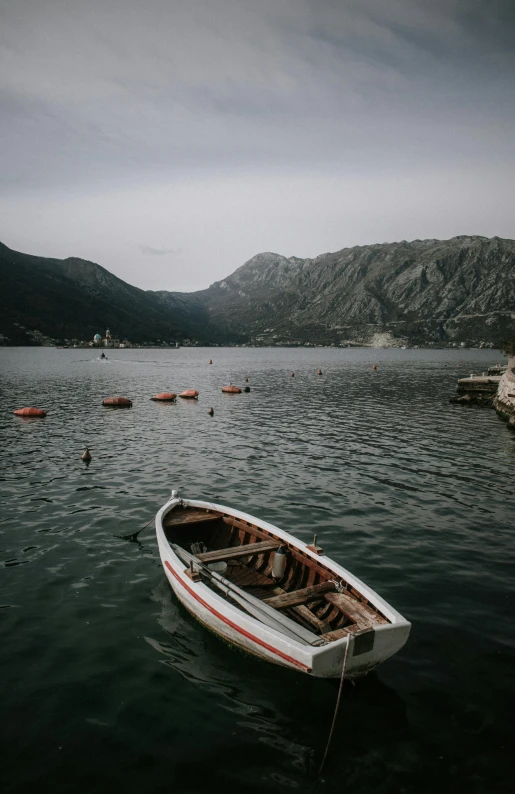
[171, 140]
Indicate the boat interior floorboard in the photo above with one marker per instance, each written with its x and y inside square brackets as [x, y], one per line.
[245, 577]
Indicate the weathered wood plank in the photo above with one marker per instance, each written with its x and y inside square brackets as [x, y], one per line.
[179, 517]
[297, 597]
[305, 614]
[359, 613]
[238, 551]
[331, 636]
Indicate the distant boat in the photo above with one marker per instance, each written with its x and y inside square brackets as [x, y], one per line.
[271, 594]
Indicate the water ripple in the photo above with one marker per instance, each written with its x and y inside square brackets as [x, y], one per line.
[412, 494]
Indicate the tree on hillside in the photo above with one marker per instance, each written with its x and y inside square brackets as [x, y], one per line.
[508, 348]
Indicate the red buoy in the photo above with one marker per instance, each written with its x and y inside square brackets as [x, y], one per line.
[189, 394]
[319, 371]
[375, 366]
[210, 361]
[117, 402]
[29, 412]
[165, 396]
[230, 389]
[293, 374]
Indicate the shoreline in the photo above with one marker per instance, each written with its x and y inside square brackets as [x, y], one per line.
[309, 346]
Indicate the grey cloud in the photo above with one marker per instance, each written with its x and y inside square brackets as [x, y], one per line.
[122, 88]
[104, 100]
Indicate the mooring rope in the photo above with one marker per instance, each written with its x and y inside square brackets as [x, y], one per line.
[134, 535]
[349, 639]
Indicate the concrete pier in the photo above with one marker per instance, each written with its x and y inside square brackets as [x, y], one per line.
[497, 369]
[477, 389]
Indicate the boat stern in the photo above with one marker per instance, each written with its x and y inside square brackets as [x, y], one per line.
[367, 649]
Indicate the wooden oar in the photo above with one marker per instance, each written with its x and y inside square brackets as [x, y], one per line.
[254, 606]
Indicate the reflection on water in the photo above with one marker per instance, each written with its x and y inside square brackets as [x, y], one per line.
[412, 494]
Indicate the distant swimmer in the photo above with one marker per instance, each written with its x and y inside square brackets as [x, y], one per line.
[103, 355]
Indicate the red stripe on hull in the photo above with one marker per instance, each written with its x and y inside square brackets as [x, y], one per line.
[235, 626]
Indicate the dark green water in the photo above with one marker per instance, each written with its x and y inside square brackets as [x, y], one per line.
[109, 685]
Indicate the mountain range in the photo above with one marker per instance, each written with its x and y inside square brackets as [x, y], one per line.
[419, 292]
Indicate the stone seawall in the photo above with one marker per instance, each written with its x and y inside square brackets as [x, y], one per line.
[505, 398]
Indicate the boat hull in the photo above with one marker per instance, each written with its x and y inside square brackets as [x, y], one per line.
[366, 649]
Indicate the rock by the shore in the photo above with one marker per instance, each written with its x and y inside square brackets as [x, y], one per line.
[504, 401]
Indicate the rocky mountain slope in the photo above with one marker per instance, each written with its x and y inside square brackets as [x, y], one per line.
[420, 292]
[73, 299]
[461, 289]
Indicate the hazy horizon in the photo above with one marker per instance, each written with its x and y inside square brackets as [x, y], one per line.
[170, 143]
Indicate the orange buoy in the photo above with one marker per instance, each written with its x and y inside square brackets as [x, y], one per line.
[319, 371]
[29, 412]
[230, 389]
[189, 394]
[375, 366]
[117, 402]
[165, 396]
[211, 412]
[210, 361]
[86, 455]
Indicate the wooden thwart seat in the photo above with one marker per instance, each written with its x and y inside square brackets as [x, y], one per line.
[238, 551]
[359, 613]
[296, 597]
[179, 517]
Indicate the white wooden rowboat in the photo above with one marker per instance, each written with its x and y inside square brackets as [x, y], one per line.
[273, 595]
